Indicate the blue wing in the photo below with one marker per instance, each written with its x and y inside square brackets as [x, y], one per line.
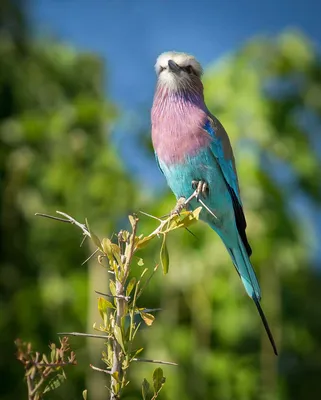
[220, 140]
[222, 151]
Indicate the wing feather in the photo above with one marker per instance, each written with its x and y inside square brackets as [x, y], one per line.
[222, 151]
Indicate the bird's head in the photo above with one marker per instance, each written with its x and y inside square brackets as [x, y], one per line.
[179, 72]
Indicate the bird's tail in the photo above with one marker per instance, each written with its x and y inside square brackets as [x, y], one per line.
[245, 270]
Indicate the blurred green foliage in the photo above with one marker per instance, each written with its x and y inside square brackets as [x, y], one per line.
[56, 153]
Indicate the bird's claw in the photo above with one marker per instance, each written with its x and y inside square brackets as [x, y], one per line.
[201, 188]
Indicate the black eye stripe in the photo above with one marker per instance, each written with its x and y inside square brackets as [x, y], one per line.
[189, 69]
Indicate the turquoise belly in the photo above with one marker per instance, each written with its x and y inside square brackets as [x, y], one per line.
[202, 166]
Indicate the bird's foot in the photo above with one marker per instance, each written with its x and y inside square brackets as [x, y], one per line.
[201, 188]
[180, 205]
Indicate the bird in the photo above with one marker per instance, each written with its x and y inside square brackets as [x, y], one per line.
[193, 151]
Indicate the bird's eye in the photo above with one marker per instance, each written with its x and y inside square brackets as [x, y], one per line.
[161, 69]
[188, 69]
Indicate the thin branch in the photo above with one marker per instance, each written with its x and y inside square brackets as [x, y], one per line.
[83, 241]
[193, 234]
[30, 387]
[105, 371]
[69, 220]
[52, 217]
[83, 227]
[195, 195]
[91, 255]
[154, 361]
[127, 298]
[90, 335]
[151, 216]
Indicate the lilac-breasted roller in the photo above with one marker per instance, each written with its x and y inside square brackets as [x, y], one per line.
[193, 151]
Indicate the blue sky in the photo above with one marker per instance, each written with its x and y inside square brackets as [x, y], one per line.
[130, 34]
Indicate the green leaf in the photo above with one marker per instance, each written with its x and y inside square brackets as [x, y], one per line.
[196, 213]
[132, 220]
[110, 353]
[125, 235]
[143, 273]
[145, 389]
[119, 337]
[144, 241]
[135, 354]
[103, 304]
[107, 249]
[53, 352]
[54, 383]
[45, 359]
[111, 250]
[158, 380]
[115, 375]
[147, 318]
[130, 286]
[116, 253]
[94, 237]
[112, 287]
[140, 262]
[84, 394]
[164, 256]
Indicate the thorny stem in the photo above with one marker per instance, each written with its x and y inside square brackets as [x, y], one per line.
[120, 309]
[120, 360]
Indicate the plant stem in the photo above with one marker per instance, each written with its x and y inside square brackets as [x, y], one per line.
[120, 283]
[117, 361]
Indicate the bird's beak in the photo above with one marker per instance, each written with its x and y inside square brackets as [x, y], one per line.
[172, 66]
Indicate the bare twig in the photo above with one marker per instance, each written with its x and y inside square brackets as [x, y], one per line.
[151, 216]
[127, 298]
[83, 227]
[82, 241]
[154, 361]
[52, 217]
[90, 335]
[91, 255]
[105, 371]
[68, 219]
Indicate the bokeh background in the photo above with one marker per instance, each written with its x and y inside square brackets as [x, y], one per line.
[76, 87]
